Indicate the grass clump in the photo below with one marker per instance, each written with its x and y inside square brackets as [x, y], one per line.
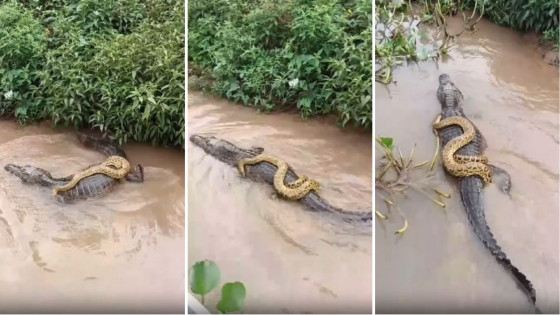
[396, 176]
[552, 37]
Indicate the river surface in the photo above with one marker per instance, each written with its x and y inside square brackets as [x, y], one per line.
[290, 260]
[122, 252]
[439, 265]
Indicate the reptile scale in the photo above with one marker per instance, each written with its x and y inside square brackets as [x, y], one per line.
[114, 166]
[462, 165]
[294, 190]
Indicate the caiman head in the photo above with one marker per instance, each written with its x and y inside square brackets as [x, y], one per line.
[449, 96]
[27, 173]
[444, 78]
[223, 150]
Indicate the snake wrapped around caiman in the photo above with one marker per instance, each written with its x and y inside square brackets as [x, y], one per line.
[89, 186]
[265, 171]
[462, 165]
[294, 190]
[470, 181]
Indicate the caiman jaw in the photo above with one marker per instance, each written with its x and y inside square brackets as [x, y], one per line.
[18, 171]
[14, 169]
[444, 78]
[200, 141]
[208, 144]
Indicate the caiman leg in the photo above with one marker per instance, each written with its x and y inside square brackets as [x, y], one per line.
[505, 185]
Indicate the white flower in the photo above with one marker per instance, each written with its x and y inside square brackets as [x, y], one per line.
[293, 82]
[8, 95]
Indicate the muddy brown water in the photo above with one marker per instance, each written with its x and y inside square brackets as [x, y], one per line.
[439, 265]
[290, 260]
[123, 252]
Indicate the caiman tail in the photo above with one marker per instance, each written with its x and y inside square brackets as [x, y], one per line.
[473, 200]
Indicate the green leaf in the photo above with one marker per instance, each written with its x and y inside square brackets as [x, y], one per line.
[204, 276]
[387, 142]
[233, 297]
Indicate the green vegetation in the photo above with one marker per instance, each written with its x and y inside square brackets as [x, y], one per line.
[552, 37]
[396, 177]
[204, 276]
[397, 38]
[314, 55]
[115, 65]
[523, 15]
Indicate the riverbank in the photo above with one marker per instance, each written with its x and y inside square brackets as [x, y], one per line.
[428, 31]
[549, 53]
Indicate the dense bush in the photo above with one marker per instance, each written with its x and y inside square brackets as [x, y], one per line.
[537, 15]
[552, 36]
[116, 65]
[314, 55]
[23, 42]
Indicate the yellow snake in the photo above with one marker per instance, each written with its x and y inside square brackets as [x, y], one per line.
[115, 167]
[462, 165]
[294, 190]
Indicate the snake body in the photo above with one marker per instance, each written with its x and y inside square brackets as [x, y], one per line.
[462, 165]
[114, 166]
[294, 190]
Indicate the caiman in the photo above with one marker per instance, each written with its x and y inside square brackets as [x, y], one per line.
[471, 187]
[94, 185]
[265, 171]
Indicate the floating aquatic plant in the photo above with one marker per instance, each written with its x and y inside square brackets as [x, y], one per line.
[204, 276]
[395, 178]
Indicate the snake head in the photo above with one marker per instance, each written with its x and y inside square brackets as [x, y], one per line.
[314, 185]
[241, 168]
[136, 175]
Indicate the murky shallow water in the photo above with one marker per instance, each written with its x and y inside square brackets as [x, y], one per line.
[290, 260]
[439, 265]
[123, 252]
